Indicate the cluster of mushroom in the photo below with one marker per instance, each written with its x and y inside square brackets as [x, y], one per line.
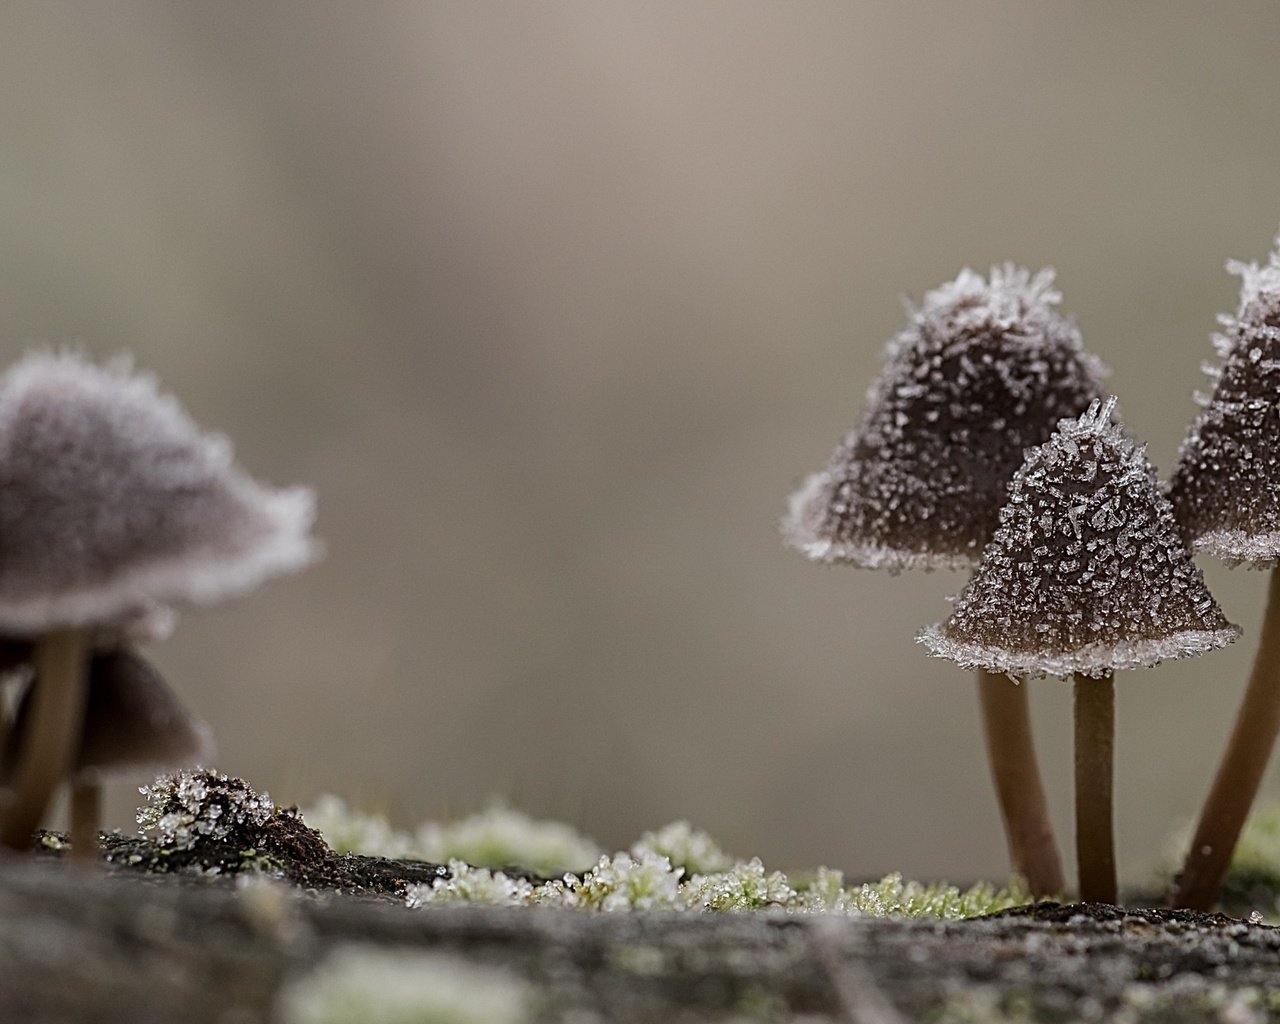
[988, 444]
[114, 509]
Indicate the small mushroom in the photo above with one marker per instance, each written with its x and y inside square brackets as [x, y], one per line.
[113, 505]
[983, 371]
[1226, 492]
[132, 720]
[1087, 574]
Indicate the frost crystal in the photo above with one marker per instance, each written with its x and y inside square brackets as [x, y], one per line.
[112, 502]
[623, 882]
[467, 884]
[982, 372]
[1226, 488]
[1087, 571]
[189, 808]
[745, 886]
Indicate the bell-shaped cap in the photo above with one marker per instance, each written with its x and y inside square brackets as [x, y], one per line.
[132, 719]
[114, 504]
[1087, 572]
[983, 371]
[1226, 487]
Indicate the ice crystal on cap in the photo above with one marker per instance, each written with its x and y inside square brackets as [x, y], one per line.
[112, 501]
[1226, 488]
[1087, 571]
[982, 372]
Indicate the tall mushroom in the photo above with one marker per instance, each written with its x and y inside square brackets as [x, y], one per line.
[113, 504]
[1226, 491]
[983, 370]
[1087, 574]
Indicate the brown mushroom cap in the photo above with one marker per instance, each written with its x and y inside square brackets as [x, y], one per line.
[1226, 487]
[113, 502]
[1087, 572]
[132, 720]
[982, 372]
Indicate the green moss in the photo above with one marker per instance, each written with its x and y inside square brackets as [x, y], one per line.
[893, 897]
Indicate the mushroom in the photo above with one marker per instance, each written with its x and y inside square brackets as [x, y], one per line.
[1087, 574]
[132, 720]
[113, 506]
[1226, 492]
[983, 371]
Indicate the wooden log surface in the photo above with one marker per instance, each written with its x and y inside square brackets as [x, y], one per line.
[118, 944]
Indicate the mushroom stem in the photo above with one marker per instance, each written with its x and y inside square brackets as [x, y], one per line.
[1094, 741]
[86, 817]
[57, 715]
[1240, 772]
[1006, 725]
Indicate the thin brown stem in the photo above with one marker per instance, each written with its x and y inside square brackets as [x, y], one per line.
[1011, 754]
[1240, 771]
[57, 715]
[1094, 740]
[86, 818]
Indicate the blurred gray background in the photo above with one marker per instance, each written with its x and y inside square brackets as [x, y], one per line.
[554, 303]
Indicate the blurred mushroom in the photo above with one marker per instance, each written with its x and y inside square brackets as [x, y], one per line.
[1087, 574]
[113, 505]
[132, 720]
[982, 372]
[1226, 492]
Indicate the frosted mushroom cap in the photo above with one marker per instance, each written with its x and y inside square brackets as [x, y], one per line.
[1087, 572]
[114, 504]
[983, 371]
[132, 719]
[1226, 487]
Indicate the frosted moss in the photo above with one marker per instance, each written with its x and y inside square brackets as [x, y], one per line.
[983, 371]
[348, 830]
[685, 847]
[502, 837]
[1087, 572]
[673, 868]
[649, 883]
[498, 837]
[378, 986]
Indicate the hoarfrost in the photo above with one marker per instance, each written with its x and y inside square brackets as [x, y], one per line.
[983, 371]
[1111, 587]
[188, 808]
[1226, 487]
